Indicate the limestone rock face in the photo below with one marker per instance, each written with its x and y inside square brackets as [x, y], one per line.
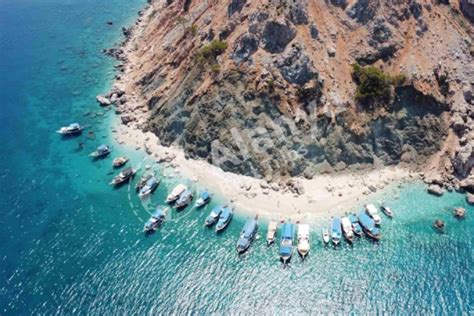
[296, 67]
[277, 34]
[235, 6]
[467, 8]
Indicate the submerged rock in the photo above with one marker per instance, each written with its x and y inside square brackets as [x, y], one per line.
[103, 101]
[435, 190]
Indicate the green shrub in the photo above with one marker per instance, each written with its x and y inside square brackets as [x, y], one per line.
[215, 68]
[373, 85]
[209, 53]
[192, 30]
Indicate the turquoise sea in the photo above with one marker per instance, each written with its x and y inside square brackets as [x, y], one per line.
[70, 244]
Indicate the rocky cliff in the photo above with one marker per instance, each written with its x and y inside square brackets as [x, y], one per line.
[273, 88]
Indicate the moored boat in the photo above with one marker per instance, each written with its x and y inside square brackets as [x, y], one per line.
[143, 180]
[368, 225]
[124, 176]
[119, 162]
[149, 187]
[387, 211]
[326, 236]
[213, 217]
[70, 130]
[224, 218]
[303, 240]
[347, 229]
[336, 231]
[286, 242]
[271, 232]
[101, 151]
[203, 199]
[355, 224]
[247, 235]
[184, 199]
[175, 193]
[371, 210]
[156, 220]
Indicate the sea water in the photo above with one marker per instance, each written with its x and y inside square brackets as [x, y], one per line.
[71, 244]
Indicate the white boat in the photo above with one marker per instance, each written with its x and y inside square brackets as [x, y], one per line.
[303, 239]
[175, 193]
[387, 210]
[326, 236]
[371, 210]
[271, 232]
[347, 228]
[70, 130]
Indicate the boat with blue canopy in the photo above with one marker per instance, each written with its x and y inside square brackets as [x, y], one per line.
[149, 187]
[286, 242]
[213, 217]
[336, 231]
[224, 218]
[247, 235]
[156, 220]
[203, 199]
[355, 224]
[101, 151]
[368, 225]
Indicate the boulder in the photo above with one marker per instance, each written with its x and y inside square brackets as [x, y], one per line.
[126, 119]
[339, 3]
[363, 10]
[298, 13]
[468, 184]
[296, 67]
[235, 6]
[331, 51]
[435, 190]
[245, 46]
[470, 198]
[313, 30]
[463, 161]
[457, 123]
[277, 34]
[467, 8]
[103, 101]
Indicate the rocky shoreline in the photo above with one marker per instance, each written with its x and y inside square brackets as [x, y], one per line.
[449, 169]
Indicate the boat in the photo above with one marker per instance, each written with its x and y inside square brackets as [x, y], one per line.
[247, 235]
[336, 231]
[143, 180]
[371, 210]
[368, 225]
[303, 240]
[347, 229]
[286, 242]
[271, 232]
[224, 218]
[184, 199]
[175, 193]
[101, 151]
[387, 211]
[326, 235]
[119, 162]
[70, 130]
[157, 218]
[355, 224]
[149, 187]
[124, 176]
[213, 217]
[203, 199]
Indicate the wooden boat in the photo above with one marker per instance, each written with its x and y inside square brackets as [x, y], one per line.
[119, 162]
[184, 199]
[368, 225]
[356, 228]
[175, 193]
[224, 219]
[101, 151]
[213, 217]
[347, 229]
[203, 199]
[271, 232]
[70, 130]
[371, 210]
[286, 242]
[143, 180]
[303, 240]
[156, 220]
[124, 176]
[247, 235]
[149, 187]
[336, 231]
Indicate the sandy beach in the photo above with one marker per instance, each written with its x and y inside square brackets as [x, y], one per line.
[324, 195]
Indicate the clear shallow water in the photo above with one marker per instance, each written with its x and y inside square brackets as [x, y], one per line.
[70, 244]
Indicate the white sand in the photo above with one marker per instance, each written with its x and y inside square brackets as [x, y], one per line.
[325, 195]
